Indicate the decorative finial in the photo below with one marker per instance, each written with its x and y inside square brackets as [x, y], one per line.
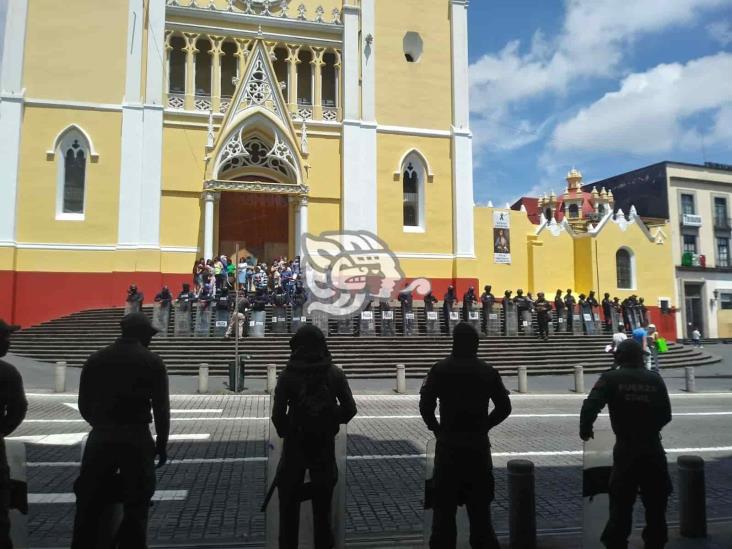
[259, 32]
[301, 9]
[319, 12]
[490, 203]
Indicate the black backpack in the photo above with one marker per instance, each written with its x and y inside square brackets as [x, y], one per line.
[315, 406]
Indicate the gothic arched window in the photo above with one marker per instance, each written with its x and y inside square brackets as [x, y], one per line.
[624, 268]
[72, 156]
[203, 67]
[177, 65]
[414, 174]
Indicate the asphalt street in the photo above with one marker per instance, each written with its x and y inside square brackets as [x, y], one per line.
[212, 489]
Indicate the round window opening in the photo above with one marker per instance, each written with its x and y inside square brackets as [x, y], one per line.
[413, 46]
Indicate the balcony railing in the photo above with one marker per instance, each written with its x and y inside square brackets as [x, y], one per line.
[691, 220]
[723, 223]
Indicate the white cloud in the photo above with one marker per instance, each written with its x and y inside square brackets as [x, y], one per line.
[647, 113]
[592, 44]
[721, 31]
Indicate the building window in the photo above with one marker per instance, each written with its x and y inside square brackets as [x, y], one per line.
[689, 243]
[281, 70]
[725, 301]
[305, 78]
[229, 69]
[687, 204]
[573, 211]
[722, 252]
[414, 175]
[624, 268]
[413, 46]
[177, 65]
[72, 155]
[721, 220]
[330, 80]
[203, 68]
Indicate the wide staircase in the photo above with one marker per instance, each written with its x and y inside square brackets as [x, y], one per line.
[73, 338]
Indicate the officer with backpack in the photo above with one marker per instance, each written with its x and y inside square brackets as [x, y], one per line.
[312, 399]
[464, 385]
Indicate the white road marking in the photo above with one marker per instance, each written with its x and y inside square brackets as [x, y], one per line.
[386, 457]
[72, 439]
[75, 406]
[70, 497]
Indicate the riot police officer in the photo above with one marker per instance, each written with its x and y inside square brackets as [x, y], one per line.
[468, 301]
[569, 302]
[505, 304]
[559, 307]
[487, 299]
[543, 308]
[464, 386]
[14, 406]
[607, 311]
[523, 305]
[117, 389]
[406, 301]
[429, 302]
[448, 302]
[639, 408]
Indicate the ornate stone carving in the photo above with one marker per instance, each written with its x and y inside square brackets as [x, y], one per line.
[256, 187]
[256, 153]
[264, 8]
[336, 16]
[319, 12]
[301, 10]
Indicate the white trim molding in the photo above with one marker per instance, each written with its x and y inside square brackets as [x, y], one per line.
[64, 104]
[11, 113]
[424, 255]
[405, 130]
[414, 151]
[93, 154]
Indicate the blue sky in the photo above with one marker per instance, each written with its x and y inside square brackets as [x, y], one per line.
[603, 85]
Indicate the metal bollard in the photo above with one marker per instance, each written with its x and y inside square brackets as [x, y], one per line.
[692, 497]
[60, 377]
[579, 379]
[203, 378]
[522, 505]
[271, 378]
[690, 379]
[401, 379]
[523, 379]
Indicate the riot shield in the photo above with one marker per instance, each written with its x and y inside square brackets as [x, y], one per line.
[461, 517]
[526, 323]
[474, 320]
[588, 321]
[298, 319]
[345, 325]
[453, 320]
[598, 462]
[132, 307]
[367, 326]
[279, 320]
[320, 319]
[511, 320]
[561, 325]
[409, 323]
[493, 324]
[221, 321]
[203, 319]
[550, 326]
[257, 320]
[182, 326]
[616, 321]
[338, 502]
[161, 318]
[432, 323]
[15, 454]
[387, 323]
[578, 327]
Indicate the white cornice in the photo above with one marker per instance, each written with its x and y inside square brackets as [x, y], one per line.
[274, 36]
[82, 105]
[405, 130]
[95, 247]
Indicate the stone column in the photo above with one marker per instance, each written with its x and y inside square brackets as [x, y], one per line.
[209, 200]
[317, 64]
[243, 54]
[166, 67]
[216, 42]
[338, 76]
[190, 49]
[301, 220]
[292, 62]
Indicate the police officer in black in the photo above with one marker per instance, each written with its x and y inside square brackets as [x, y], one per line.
[311, 401]
[522, 305]
[559, 307]
[639, 408]
[429, 302]
[448, 302]
[543, 308]
[469, 299]
[464, 385]
[504, 306]
[569, 302]
[607, 311]
[592, 302]
[13, 407]
[118, 387]
[164, 297]
[406, 301]
[487, 299]
[135, 299]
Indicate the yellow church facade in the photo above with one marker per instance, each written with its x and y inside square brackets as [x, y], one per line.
[140, 135]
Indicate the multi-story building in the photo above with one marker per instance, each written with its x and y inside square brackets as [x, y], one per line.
[696, 199]
[139, 135]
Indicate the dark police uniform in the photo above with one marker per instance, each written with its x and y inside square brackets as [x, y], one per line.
[13, 406]
[543, 308]
[639, 408]
[118, 386]
[487, 299]
[463, 471]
